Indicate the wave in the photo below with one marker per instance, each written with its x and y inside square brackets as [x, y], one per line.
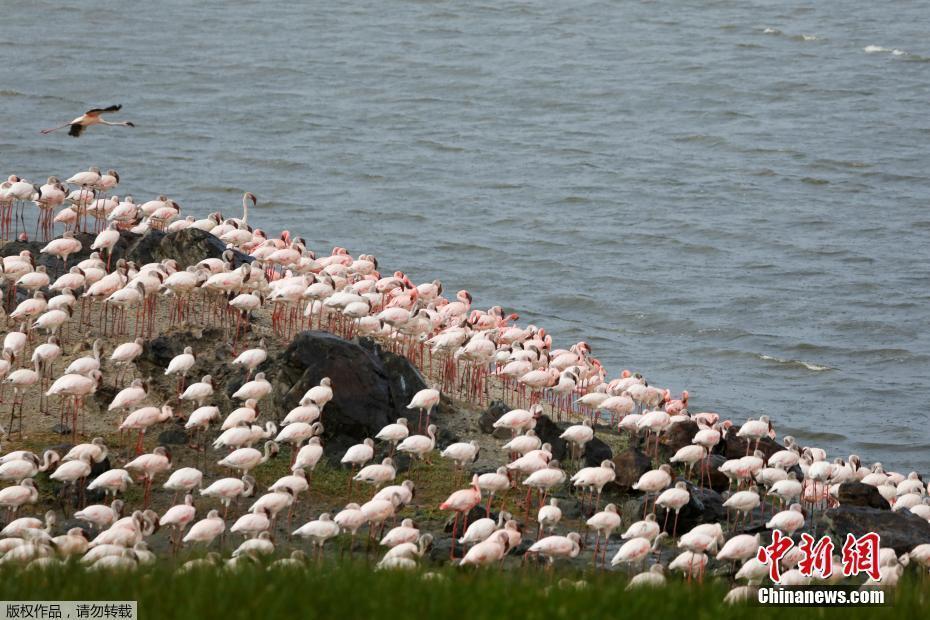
[878, 49]
[807, 365]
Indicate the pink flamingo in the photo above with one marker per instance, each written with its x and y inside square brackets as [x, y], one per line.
[462, 501]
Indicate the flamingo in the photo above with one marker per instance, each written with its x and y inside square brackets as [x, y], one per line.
[675, 499]
[492, 484]
[420, 446]
[578, 436]
[636, 549]
[125, 355]
[199, 392]
[246, 459]
[461, 502]
[99, 515]
[351, 519]
[252, 358]
[142, 419]
[424, 401]
[788, 521]
[487, 552]
[394, 433]
[604, 523]
[111, 481]
[20, 469]
[14, 497]
[184, 480]
[595, 478]
[76, 387]
[403, 533]
[177, 517]
[319, 395]
[359, 454]
[251, 524]
[553, 547]
[653, 578]
[89, 119]
[377, 474]
[70, 472]
[318, 531]
[228, 489]
[206, 530]
[150, 465]
[21, 380]
[180, 365]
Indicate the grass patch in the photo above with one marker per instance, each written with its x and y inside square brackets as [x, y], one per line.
[353, 590]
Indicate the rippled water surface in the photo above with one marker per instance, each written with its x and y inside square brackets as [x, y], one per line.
[729, 196]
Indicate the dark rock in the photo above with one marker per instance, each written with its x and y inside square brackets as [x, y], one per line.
[493, 413]
[188, 247]
[160, 350]
[899, 530]
[98, 468]
[859, 494]
[733, 447]
[676, 437]
[718, 481]
[476, 513]
[630, 464]
[596, 451]
[173, 437]
[705, 506]
[439, 551]
[404, 379]
[366, 397]
[548, 432]
[61, 429]
[445, 438]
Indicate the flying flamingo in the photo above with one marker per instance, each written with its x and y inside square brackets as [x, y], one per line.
[88, 119]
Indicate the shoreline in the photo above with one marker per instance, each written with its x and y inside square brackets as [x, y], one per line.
[471, 398]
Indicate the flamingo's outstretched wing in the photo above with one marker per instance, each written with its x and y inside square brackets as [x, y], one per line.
[99, 111]
[76, 130]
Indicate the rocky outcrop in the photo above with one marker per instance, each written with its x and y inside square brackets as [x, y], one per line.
[733, 447]
[677, 436]
[548, 431]
[710, 465]
[490, 415]
[859, 494]
[704, 506]
[366, 395]
[629, 464]
[899, 530]
[187, 247]
[596, 452]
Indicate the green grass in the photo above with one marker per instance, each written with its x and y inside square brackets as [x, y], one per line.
[353, 590]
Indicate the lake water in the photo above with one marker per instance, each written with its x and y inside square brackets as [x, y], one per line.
[731, 197]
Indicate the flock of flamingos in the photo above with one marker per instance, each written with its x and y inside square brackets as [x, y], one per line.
[468, 352]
